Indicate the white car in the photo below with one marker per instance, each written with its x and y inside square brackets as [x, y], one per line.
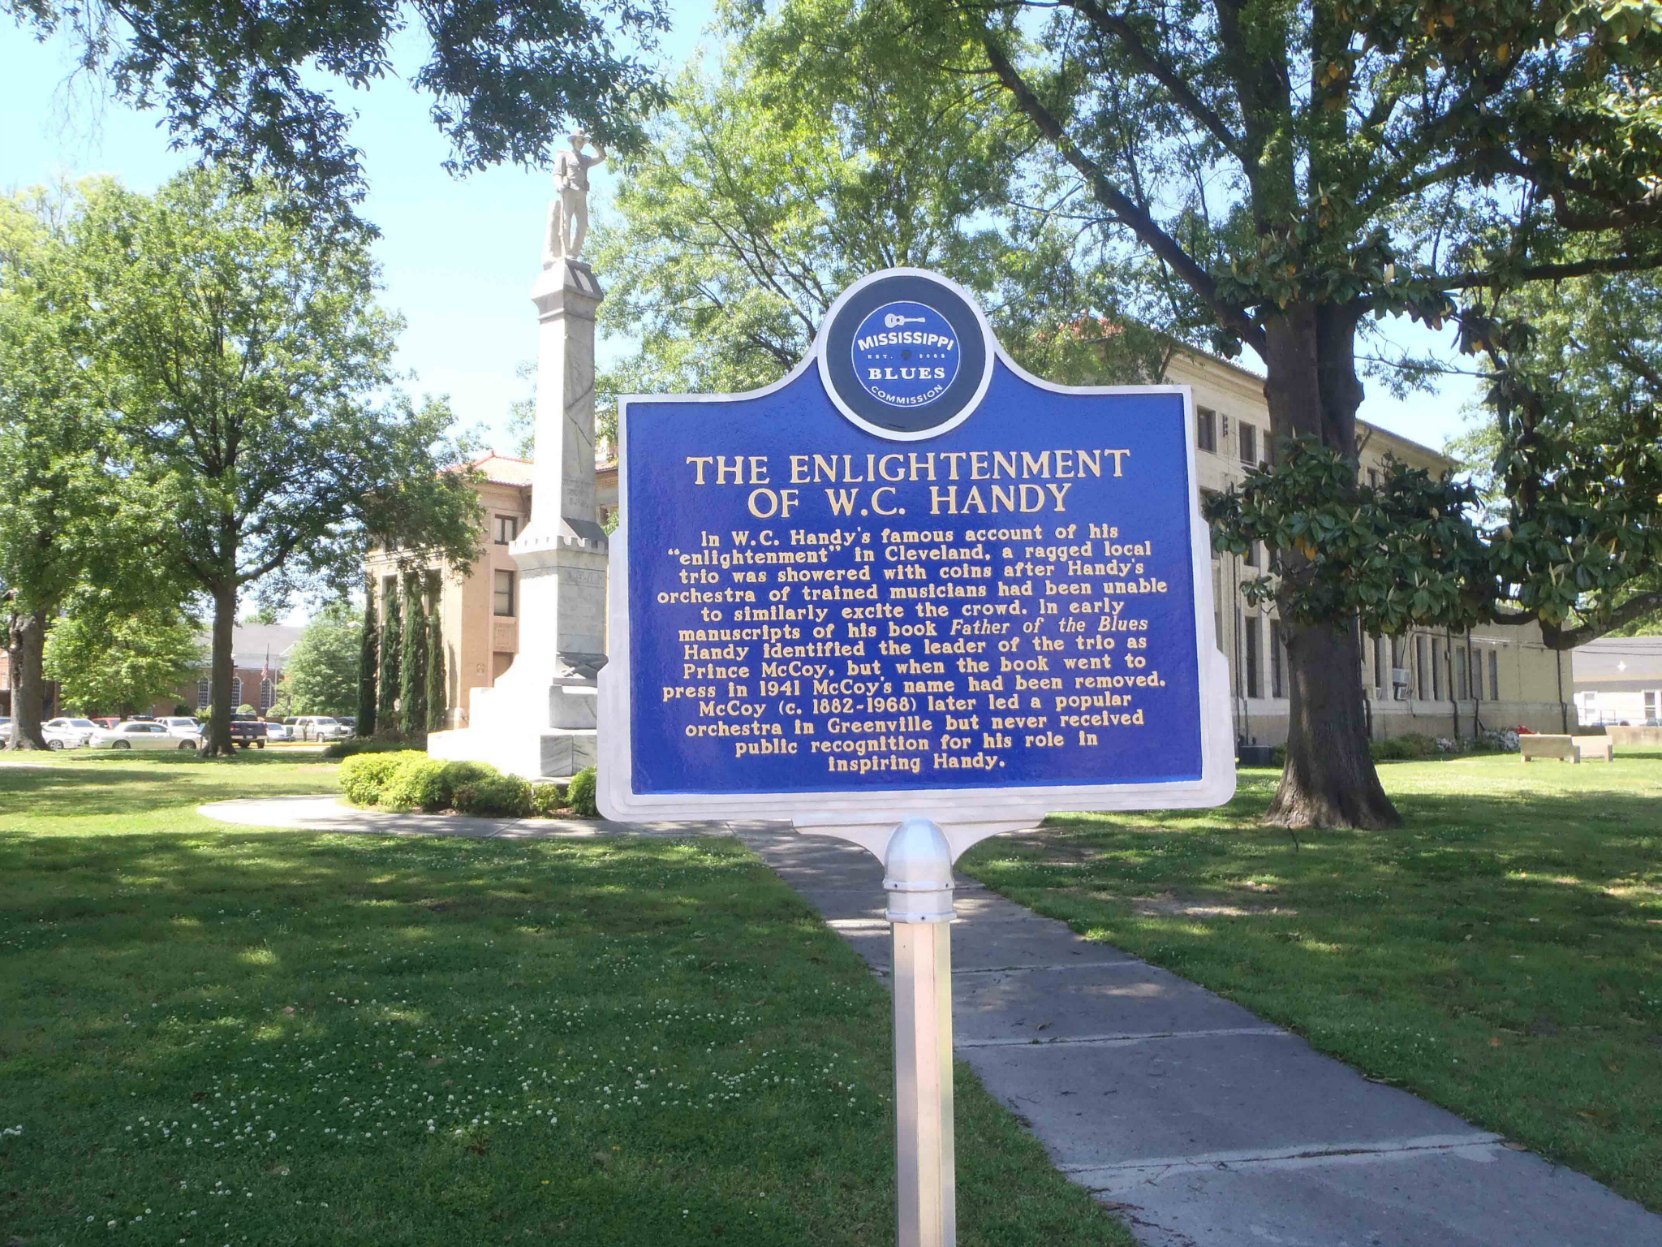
[68, 733]
[276, 731]
[140, 734]
[319, 727]
[179, 727]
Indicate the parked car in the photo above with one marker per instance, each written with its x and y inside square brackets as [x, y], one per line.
[108, 723]
[349, 722]
[179, 727]
[138, 734]
[277, 731]
[247, 730]
[320, 727]
[70, 733]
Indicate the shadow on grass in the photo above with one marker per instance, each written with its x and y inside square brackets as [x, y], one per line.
[133, 784]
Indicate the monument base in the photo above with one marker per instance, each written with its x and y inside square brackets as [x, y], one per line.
[552, 753]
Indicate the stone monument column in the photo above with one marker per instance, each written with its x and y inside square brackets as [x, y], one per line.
[538, 720]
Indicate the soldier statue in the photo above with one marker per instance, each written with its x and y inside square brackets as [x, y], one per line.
[568, 212]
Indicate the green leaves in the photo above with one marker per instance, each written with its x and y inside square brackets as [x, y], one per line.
[321, 673]
[1405, 553]
[804, 154]
[251, 86]
[109, 657]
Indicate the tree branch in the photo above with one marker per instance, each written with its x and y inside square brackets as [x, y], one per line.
[1550, 272]
[1562, 639]
[1233, 317]
[1117, 27]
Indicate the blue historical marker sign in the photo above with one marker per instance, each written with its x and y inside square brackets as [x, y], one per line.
[910, 578]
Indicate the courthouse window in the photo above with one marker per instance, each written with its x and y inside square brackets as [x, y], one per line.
[1206, 428]
[507, 528]
[1278, 686]
[1252, 642]
[1249, 443]
[504, 598]
[1494, 675]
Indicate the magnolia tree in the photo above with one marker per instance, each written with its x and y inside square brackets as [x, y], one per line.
[1289, 174]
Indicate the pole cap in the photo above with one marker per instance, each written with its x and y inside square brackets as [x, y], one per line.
[918, 873]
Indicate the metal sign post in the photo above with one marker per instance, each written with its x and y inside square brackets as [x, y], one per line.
[911, 596]
[918, 878]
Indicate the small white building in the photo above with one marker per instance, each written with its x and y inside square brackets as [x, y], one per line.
[1618, 679]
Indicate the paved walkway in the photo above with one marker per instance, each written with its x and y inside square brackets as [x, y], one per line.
[334, 814]
[1199, 1123]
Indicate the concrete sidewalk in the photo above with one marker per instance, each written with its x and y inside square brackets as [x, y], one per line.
[331, 813]
[1199, 1123]
[1196, 1121]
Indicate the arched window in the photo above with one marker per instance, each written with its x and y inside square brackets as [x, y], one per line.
[236, 692]
[268, 694]
[204, 693]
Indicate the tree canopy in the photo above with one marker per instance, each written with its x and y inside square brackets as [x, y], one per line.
[1289, 174]
[321, 673]
[73, 518]
[258, 86]
[242, 366]
[120, 660]
[799, 155]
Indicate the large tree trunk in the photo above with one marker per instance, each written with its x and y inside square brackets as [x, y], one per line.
[1330, 781]
[218, 743]
[28, 678]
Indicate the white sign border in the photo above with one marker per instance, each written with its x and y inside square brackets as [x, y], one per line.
[866, 817]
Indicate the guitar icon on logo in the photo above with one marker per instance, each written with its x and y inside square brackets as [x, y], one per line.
[894, 320]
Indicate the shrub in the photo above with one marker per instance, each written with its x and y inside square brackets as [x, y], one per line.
[1279, 757]
[416, 782]
[1404, 748]
[459, 773]
[581, 793]
[352, 748]
[363, 778]
[547, 800]
[494, 795]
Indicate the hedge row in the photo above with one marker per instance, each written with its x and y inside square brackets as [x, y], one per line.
[408, 779]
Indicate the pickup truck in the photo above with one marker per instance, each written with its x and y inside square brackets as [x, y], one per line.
[247, 730]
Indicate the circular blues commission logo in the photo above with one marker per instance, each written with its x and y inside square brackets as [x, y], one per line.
[905, 354]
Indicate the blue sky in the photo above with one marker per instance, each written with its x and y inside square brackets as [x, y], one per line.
[458, 256]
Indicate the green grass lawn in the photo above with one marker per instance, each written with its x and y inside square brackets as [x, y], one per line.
[1500, 954]
[210, 1035]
